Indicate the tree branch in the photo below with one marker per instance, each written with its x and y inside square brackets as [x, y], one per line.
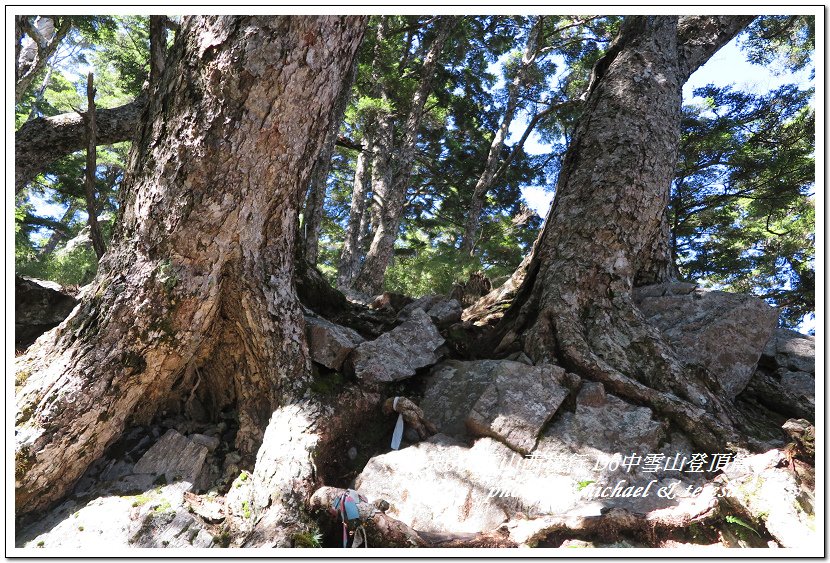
[41, 141]
[700, 37]
[528, 130]
[44, 48]
[91, 167]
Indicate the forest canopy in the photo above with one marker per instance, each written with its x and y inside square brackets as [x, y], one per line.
[447, 124]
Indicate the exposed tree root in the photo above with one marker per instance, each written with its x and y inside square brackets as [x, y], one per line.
[618, 521]
[286, 473]
[384, 531]
[608, 340]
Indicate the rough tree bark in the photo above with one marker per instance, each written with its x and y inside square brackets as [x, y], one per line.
[485, 180]
[575, 303]
[41, 141]
[198, 285]
[389, 194]
[158, 48]
[91, 165]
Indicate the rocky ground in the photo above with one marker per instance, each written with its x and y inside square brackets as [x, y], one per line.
[511, 453]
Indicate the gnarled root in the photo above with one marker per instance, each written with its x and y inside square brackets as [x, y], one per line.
[704, 508]
[384, 531]
[608, 340]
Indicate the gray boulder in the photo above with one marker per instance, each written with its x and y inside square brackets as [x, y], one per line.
[441, 310]
[785, 379]
[38, 306]
[445, 312]
[439, 485]
[725, 332]
[174, 456]
[330, 344]
[606, 423]
[517, 403]
[444, 485]
[424, 303]
[790, 350]
[507, 400]
[764, 487]
[397, 354]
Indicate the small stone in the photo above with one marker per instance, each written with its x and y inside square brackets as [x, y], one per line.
[445, 312]
[592, 394]
[231, 470]
[233, 457]
[520, 357]
[352, 453]
[210, 442]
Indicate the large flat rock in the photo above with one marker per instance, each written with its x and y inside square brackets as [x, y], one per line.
[517, 404]
[765, 487]
[725, 332]
[39, 305]
[503, 399]
[174, 456]
[397, 354]
[445, 485]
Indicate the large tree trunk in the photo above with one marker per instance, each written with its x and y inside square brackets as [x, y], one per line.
[198, 284]
[485, 180]
[388, 195]
[576, 301]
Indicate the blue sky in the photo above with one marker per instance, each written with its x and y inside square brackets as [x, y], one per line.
[726, 67]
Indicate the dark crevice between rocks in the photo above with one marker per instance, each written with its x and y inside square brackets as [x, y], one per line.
[369, 433]
[361, 434]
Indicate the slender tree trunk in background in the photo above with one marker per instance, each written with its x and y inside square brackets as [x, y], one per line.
[199, 280]
[91, 166]
[57, 235]
[352, 249]
[485, 181]
[390, 195]
[39, 94]
[366, 280]
[576, 302]
[158, 48]
[381, 137]
[313, 212]
[32, 58]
